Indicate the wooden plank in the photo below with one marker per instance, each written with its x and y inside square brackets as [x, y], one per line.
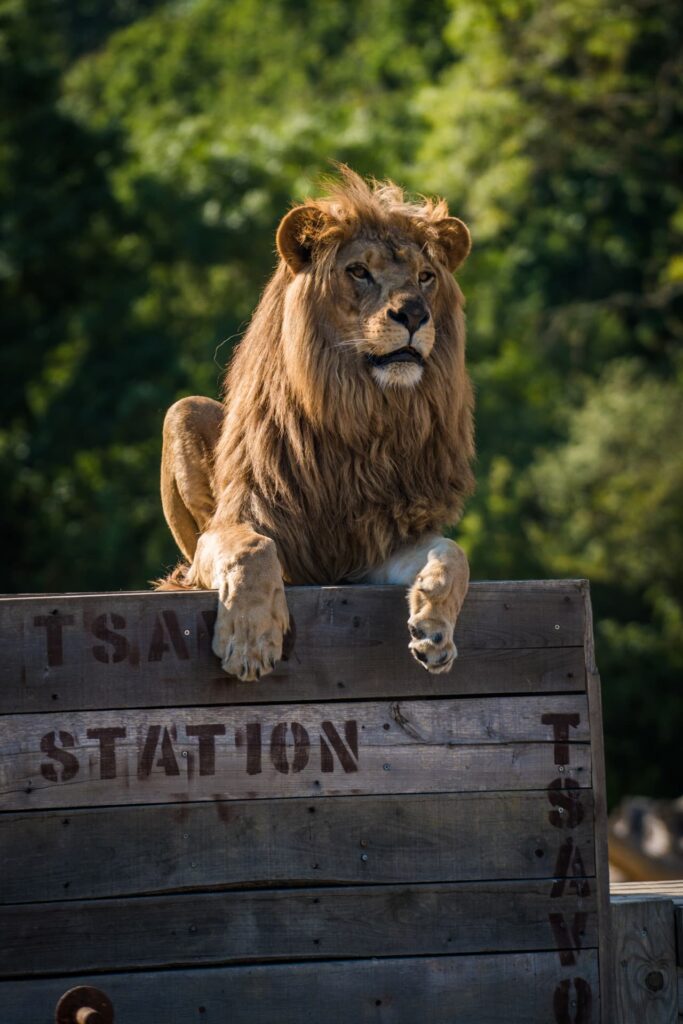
[121, 851]
[119, 757]
[672, 888]
[221, 928]
[600, 811]
[518, 988]
[479, 672]
[643, 961]
[118, 650]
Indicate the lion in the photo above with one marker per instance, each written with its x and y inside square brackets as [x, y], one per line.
[344, 444]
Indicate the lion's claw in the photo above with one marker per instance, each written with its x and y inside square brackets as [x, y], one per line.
[248, 635]
[432, 645]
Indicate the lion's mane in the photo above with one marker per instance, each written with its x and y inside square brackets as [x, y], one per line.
[313, 453]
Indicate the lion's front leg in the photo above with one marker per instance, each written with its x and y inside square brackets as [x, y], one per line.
[435, 600]
[437, 572]
[252, 614]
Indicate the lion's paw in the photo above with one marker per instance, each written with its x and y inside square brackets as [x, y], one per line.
[433, 609]
[432, 642]
[248, 634]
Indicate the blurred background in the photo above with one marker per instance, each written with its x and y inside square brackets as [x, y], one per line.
[147, 152]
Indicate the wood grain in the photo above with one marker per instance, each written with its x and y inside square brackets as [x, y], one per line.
[153, 649]
[517, 988]
[96, 758]
[607, 977]
[90, 853]
[221, 928]
[643, 961]
[246, 849]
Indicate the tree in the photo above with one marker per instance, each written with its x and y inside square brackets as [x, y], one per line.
[557, 130]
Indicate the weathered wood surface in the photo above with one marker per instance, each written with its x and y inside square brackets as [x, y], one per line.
[648, 983]
[600, 796]
[95, 758]
[643, 961]
[517, 988]
[262, 926]
[462, 837]
[477, 672]
[443, 826]
[150, 650]
[673, 888]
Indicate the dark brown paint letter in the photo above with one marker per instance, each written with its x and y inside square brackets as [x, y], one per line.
[69, 762]
[54, 624]
[581, 1001]
[564, 795]
[167, 761]
[118, 642]
[570, 871]
[278, 747]
[560, 724]
[107, 738]
[346, 752]
[166, 625]
[207, 745]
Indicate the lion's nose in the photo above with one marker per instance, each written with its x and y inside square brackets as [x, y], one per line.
[412, 314]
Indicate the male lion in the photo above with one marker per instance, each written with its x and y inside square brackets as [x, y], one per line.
[344, 443]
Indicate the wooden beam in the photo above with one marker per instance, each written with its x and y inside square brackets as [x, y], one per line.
[221, 928]
[118, 851]
[644, 960]
[514, 988]
[154, 649]
[141, 756]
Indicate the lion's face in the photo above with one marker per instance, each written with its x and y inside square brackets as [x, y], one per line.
[385, 311]
[375, 274]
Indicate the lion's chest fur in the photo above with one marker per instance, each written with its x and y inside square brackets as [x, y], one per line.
[346, 511]
[339, 472]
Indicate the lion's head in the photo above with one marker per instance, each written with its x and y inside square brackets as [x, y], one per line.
[348, 424]
[383, 269]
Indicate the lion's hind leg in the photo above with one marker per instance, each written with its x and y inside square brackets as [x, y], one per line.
[191, 430]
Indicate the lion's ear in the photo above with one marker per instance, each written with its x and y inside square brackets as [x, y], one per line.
[454, 241]
[296, 235]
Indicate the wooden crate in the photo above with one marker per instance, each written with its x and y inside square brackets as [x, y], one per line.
[647, 951]
[348, 840]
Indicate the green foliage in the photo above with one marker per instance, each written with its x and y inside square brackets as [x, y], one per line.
[612, 498]
[147, 150]
[567, 122]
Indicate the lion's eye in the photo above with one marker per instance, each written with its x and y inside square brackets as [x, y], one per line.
[426, 276]
[360, 272]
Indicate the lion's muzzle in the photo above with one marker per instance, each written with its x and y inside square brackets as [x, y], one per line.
[407, 354]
